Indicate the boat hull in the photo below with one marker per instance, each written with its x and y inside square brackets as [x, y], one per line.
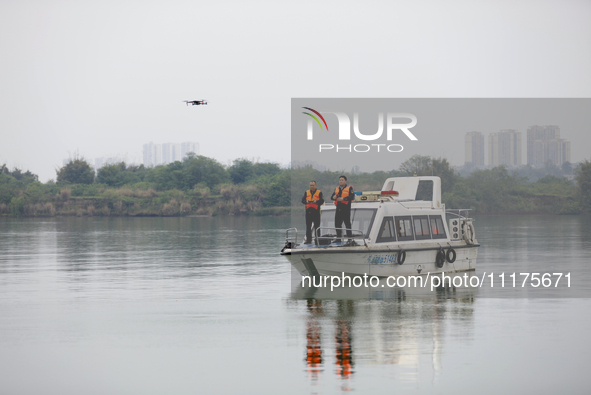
[381, 263]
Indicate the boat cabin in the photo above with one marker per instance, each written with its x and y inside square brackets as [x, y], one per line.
[406, 209]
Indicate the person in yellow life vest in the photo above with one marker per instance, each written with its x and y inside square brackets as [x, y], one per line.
[313, 199]
[343, 196]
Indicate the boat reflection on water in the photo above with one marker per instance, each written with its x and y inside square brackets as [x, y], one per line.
[347, 334]
[313, 341]
[343, 351]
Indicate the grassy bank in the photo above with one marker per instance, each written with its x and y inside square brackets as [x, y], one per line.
[126, 201]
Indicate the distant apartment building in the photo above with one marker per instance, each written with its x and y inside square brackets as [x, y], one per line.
[162, 154]
[189, 147]
[504, 148]
[170, 153]
[152, 154]
[176, 152]
[545, 145]
[474, 148]
[559, 151]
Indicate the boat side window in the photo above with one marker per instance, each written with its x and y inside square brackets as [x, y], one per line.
[421, 223]
[387, 231]
[404, 228]
[437, 228]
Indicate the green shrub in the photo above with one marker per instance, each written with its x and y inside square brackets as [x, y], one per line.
[572, 208]
[17, 205]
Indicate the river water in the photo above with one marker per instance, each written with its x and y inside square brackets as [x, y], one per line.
[204, 305]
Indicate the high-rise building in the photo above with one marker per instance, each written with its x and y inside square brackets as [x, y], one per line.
[504, 148]
[558, 151]
[152, 154]
[189, 147]
[167, 153]
[176, 152]
[147, 151]
[171, 152]
[474, 148]
[157, 154]
[544, 144]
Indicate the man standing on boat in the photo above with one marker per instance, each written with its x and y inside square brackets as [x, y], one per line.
[343, 196]
[313, 199]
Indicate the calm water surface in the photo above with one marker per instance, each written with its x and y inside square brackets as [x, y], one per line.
[203, 305]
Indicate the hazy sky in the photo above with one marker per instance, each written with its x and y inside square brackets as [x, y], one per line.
[103, 78]
[440, 129]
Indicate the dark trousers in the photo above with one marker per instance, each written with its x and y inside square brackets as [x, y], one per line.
[343, 215]
[312, 218]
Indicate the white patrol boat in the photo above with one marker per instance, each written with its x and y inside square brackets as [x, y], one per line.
[402, 230]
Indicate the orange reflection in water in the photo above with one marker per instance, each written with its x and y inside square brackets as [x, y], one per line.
[343, 338]
[313, 339]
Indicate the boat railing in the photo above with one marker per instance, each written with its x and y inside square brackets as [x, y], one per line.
[291, 239]
[458, 213]
[355, 234]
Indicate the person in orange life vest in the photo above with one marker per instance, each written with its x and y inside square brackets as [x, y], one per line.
[343, 196]
[313, 199]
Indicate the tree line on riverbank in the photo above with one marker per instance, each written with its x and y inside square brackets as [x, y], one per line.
[202, 186]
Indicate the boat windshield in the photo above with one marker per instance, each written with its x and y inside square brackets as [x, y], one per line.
[361, 219]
